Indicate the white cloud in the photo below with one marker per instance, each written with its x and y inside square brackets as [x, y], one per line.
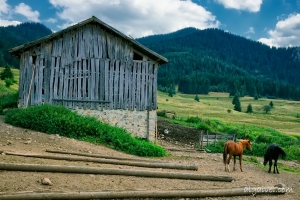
[4, 7]
[286, 33]
[247, 5]
[5, 11]
[138, 18]
[51, 20]
[250, 31]
[26, 11]
[4, 22]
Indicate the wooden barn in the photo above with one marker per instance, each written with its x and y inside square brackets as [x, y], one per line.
[95, 70]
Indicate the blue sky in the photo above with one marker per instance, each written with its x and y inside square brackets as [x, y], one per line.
[273, 22]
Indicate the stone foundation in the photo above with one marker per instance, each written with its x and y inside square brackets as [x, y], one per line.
[134, 122]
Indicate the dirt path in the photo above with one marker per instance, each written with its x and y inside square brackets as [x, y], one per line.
[28, 141]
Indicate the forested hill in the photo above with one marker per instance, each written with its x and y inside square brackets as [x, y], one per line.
[12, 36]
[214, 60]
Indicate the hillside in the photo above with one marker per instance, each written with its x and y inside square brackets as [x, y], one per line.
[207, 60]
[12, 36]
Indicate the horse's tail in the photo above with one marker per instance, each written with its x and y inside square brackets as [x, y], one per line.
[281, 151]
[225, 153]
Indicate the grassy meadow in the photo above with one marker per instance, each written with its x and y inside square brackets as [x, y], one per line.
[283, 117]
[13, 88]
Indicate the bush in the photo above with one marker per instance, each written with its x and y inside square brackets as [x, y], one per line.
[8, 101]
[162, 113]
[6, 73]
[60, 120]
[9, 82]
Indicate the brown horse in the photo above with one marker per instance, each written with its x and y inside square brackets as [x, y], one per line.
[235, 149]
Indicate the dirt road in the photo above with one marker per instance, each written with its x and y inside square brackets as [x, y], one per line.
[28, 141]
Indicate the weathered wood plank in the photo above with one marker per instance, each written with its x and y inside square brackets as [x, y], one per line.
[102, 79]
[84, 81]
[75, 86]
[97, 82]
[40, 81]
[155, 87]
[138, 87]
[133, 86]
[93, 83]
[150, 90]
[111, 84]
[80, 83]
[121, 85]
[126, 85]
[47, 70]
[107, 98]
[31, 82]
[35, 83]
[116, 84]
[95, 44]
[144, 86]
[66, 84]
[51, 91]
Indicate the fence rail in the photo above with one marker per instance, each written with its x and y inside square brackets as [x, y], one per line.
[208, 138]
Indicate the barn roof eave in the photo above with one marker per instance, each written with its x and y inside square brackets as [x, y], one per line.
[16, 51]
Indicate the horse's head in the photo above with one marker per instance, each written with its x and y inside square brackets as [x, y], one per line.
[248, 145]
[265, 159]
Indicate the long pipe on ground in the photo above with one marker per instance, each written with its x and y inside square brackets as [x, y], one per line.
[111, 161]
[110, 171]
[102, 156]
[143, 194]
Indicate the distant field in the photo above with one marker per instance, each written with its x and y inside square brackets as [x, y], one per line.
[284, 117]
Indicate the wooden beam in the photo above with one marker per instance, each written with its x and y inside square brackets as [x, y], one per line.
[110, 171]
[139, 194]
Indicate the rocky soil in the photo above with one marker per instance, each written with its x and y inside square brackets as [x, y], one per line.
[14, 139]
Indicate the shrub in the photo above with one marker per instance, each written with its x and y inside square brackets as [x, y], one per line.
[6, 73]
[57, 119]
[8, 101]
[162, 113]
[193, 120]
[9, 82]
[197, 98]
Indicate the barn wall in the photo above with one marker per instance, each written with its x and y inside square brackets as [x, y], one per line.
[135, 122]
[89, 70]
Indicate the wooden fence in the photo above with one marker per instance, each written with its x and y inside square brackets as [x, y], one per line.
[208, 138]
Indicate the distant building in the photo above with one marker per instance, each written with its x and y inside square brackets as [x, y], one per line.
[96, 70]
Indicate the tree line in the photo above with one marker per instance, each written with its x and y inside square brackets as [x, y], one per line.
[201, 61]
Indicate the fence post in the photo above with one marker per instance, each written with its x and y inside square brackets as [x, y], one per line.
[206, 137]
[201, 140]
[215, 138]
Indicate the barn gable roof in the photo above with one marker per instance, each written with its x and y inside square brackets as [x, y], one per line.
[16, 51]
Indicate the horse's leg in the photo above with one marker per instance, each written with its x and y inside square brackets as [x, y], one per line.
[241, 163]
[228, 161]
[270, 165]
[225, 163]
[275, 164]
[234, 161]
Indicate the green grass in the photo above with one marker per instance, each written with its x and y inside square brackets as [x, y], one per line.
[282, 118]
[59, 120]
[13, 88]
[281, 125]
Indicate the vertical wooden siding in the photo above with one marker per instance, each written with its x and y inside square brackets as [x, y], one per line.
[90, 69]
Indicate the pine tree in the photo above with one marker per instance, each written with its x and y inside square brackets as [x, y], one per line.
[237, 104]
[249, 109]
[271, 104]
[6, 73]
[197, 98]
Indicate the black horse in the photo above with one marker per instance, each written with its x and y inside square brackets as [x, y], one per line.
[273, 152]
